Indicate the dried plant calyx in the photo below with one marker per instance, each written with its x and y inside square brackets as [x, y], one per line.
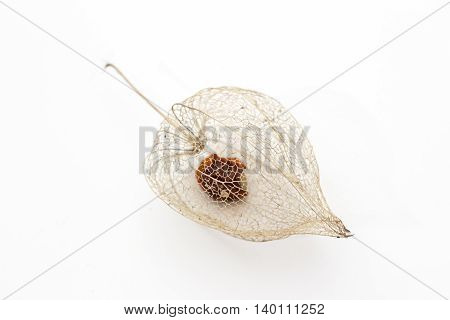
[249, 182]
[227, 189]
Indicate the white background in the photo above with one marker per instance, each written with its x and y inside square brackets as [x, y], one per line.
[69, 146]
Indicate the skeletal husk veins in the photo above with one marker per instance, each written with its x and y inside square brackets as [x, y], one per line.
[234, 160]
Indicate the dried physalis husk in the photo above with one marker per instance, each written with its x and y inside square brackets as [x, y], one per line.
[236, 161]
[224, 158]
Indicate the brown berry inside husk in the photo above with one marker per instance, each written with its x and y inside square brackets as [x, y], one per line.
[223, 179]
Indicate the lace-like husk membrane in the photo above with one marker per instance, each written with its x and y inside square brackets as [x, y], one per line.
[218, 177]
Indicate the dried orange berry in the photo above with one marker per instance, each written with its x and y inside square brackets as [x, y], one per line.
[223, 179]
